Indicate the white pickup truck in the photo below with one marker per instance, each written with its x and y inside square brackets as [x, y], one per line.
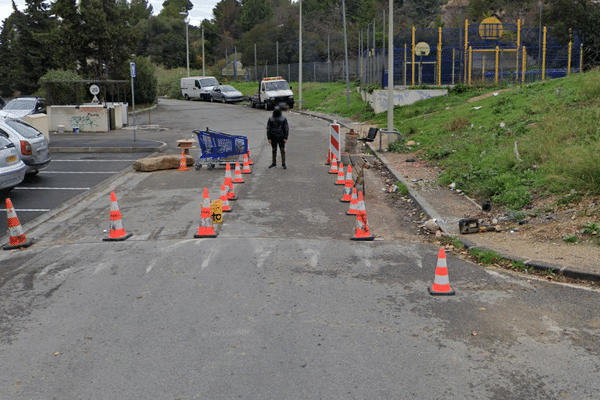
[273, 91]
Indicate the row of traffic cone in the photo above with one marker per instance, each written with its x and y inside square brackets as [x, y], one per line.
[441, 282]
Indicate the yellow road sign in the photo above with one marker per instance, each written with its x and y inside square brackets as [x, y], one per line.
[216, 208]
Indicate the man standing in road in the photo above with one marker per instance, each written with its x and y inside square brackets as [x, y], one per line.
[277, 134]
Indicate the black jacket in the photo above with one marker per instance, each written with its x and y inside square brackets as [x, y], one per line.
[277, 128]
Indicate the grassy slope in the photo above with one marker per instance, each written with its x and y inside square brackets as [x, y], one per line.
[472, 134]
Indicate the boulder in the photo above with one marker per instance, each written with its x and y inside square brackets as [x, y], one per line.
[150, 164]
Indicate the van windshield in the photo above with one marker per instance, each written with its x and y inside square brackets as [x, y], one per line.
[277, 85]
[209, 82]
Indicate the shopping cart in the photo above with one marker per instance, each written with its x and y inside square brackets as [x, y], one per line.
[219, 147]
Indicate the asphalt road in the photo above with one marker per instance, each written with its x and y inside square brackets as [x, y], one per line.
[281, 305]
[67, 176]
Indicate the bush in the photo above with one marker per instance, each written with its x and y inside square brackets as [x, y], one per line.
[145, 82]
[62, 87]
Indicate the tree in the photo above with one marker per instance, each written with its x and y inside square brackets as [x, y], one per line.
[163, 40]
[255, 12]
[172, 8]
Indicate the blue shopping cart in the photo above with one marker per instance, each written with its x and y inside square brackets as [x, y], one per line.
[219, 147]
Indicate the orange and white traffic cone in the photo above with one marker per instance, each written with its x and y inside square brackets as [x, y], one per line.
[250, 162]
[341, 179]
[347, 197]
[237, 175]
[246, 165]
[362, 231]
[15, 230]
[117, 232]
[353, 203]
[225, 198]
[334, 165]
[206, 229]
[441, 282]
[328, 162]
[229, 182]
[182, 163]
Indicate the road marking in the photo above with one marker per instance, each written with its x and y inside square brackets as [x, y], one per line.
[79, 172]
[55, 161]
[48, 188]
[28, 209]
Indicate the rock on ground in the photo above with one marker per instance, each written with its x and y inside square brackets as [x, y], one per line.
[159, 163]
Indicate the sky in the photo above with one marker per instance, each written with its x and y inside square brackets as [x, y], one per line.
[202, 9]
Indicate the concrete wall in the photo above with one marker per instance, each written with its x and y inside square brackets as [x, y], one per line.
[40, 122]
[379, 98]
[88, 118]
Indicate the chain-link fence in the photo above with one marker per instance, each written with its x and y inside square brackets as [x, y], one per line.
[318, 71]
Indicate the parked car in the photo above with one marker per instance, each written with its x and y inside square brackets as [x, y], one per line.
[2, 103]
[12, 168]
[22, 106]
[31, 143]
[226, 94]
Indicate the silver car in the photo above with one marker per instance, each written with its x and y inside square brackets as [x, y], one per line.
[226, 94]
[29, 141]
[12, 169]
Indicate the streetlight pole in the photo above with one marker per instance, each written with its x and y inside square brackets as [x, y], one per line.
[187, 44]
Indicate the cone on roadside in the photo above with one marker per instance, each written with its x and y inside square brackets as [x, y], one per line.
[182, 163]
[328, 162]
[246, 165]
[15, 230]
[225, 198]
[206, 229]
[441, 282]
[341, 179]
[250, 162]
[362, 231]
[353, 210]
[117, 232]
[237, 174]
[334, 165]
[229, 182]
[347, 197]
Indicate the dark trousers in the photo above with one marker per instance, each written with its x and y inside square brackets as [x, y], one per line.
[278, 142]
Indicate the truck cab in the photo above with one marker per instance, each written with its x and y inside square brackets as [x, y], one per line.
[273, 91]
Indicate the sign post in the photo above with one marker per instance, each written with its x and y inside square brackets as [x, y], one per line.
[132, 66]
[421, 49]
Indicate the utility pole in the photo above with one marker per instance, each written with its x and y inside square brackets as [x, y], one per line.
[203, 73]
[300, 62]
[187, 43]
[346, 51]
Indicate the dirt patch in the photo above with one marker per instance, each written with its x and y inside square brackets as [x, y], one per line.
[536, 234]
[485, 96]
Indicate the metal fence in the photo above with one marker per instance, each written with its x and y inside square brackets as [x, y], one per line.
[318, 71]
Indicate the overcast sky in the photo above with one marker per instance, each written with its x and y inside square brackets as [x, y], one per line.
[202, 9]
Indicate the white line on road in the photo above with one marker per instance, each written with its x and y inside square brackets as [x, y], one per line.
[49, 188]
[55, 161]
[28, 209]
[79, 172]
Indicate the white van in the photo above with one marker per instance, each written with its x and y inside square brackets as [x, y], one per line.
[198, 87]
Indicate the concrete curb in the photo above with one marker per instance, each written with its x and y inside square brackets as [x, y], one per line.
[161, 146]
[567, 271]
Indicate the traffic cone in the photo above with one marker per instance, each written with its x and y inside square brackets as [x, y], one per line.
[362, 227]
[441, 282]
[206, 229]
[117, 232]
[341, 180]
[182, 163]
[250, 162]
[237, 175]
[15, 230]
[353, 203]
[246, 165]
[328, 162]
[334, 165]
[225, 198]
[229, 182]
[347, 197]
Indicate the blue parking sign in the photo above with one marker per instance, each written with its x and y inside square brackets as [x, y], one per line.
[132, 66]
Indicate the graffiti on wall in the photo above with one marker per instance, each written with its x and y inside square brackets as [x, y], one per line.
[85, 122]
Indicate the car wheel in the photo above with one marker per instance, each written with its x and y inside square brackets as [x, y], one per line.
[223, 99]
[212, 99]
[186, 97]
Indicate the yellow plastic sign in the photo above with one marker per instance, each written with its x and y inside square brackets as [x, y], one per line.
[216, 208]
[491, 29]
